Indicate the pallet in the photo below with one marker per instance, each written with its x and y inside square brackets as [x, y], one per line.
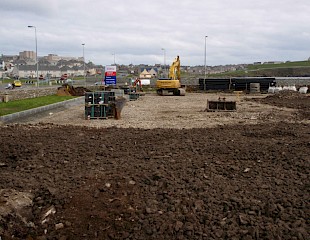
[102, 97]
[96, 118]
[102, 111]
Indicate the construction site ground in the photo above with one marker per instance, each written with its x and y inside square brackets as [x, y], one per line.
[168, 169]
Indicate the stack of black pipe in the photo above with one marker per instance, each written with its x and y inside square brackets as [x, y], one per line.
[243, 84]
[220, 84]
[235, 84]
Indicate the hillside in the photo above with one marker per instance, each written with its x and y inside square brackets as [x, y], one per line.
[288, 69]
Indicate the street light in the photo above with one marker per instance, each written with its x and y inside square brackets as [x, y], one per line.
[35, 32]
[206, 57]
[164, 59]
[114, 57]
[83, 44]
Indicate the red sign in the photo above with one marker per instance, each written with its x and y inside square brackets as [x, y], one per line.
[110, 74]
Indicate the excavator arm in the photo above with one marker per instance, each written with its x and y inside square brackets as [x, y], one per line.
[173, 83]
[174, 71]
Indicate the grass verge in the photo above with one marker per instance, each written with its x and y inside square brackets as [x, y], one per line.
[29, 103]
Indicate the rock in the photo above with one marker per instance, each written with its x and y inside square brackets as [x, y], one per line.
[243, 219]
[131, 182]
[178, 226]
[188, 226]
[50, 211]
[96, 193]
[219, 233]
[68, 224]
[198, 205]
[148, 210]
[59, 226]
[17, 203]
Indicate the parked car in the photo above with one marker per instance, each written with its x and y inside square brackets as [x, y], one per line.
[64, 76]
[99, 83]
[9, 86]
[17, 83]
[69, 81]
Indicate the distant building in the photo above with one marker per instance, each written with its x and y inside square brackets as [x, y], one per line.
[148, 72]
[27, 55]
[145, 74]
[52, 58]
[30, 71]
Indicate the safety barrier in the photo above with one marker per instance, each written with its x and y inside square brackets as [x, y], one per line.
[29, 82]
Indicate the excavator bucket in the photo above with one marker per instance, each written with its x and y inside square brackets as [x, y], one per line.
[117, 106]
[63, 91]
[66, 90]
[221, 105]
[69, 90]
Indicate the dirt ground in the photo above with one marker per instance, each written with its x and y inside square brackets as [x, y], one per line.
[167, 169]
[152, 111]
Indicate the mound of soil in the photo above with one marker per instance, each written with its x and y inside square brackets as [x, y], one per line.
[68, 90]
[231, 182]
[289, 99]
[80, 91]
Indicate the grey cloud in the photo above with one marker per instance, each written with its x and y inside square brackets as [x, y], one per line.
[239, 31]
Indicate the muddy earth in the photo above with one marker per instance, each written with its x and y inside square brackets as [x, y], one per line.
[289, 99]
[241, 181]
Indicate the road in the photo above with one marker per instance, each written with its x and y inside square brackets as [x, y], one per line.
[90, 81]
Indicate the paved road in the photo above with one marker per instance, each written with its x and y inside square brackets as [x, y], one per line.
[90, 81]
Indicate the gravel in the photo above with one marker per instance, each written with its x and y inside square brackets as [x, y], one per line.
[153, 111]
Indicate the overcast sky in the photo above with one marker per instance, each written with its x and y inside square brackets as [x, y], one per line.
[136, 31]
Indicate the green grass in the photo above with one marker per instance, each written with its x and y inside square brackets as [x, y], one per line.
[256, 70]
[29, 103]
[280, 65]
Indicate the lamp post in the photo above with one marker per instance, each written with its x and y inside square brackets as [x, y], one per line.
[206, 57]
[164, 59]
[83, 44]
[35, 32]
[114, 57]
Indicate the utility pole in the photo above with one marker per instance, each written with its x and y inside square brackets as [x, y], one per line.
[83, 44]
[164, 60]
[35, 32]
[206, 57]
[114, 58]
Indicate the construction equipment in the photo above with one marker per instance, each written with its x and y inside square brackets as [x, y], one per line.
[172, 84]
[68, 90]
[138, 85]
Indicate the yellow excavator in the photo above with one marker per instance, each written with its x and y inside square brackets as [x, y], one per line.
[172, 84]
